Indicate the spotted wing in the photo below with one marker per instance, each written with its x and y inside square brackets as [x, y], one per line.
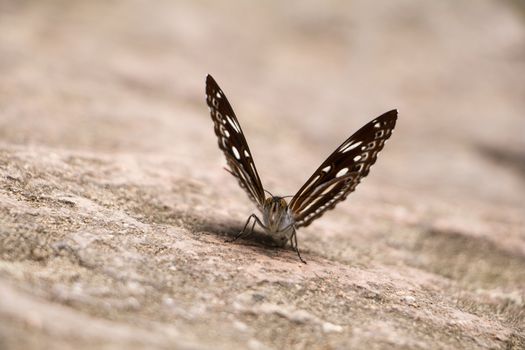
[342, 171]
[232, 142]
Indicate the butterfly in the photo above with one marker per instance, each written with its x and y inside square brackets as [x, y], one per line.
[335, 178]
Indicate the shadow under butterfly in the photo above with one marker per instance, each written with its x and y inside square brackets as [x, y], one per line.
[337, 176]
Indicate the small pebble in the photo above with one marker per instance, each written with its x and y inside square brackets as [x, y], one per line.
[331, 328]
[240, 326]
[408, 299]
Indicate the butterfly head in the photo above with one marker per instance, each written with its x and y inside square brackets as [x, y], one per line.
[275, 204]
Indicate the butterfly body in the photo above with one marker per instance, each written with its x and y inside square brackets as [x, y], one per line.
[278, 219]
[330, 184]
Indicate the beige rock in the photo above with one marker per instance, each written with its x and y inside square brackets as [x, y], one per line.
[114, 207]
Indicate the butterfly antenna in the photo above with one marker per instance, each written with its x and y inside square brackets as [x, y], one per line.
[270, 193]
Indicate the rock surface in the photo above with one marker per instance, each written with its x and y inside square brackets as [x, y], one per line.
[114, 207]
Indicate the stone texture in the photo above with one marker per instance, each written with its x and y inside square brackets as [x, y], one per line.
[114, 207]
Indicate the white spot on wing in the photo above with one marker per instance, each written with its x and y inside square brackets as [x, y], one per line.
[357, 158]
[326, 169]
[236, 153]
[350, 146]
[313, 181]
[328, 189]
[341, 172]
[246, 154]
[233, 124]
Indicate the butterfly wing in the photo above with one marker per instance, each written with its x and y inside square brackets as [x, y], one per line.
[232, 142]
[342, 171]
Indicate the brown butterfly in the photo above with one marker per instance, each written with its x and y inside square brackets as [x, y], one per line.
[338, 176]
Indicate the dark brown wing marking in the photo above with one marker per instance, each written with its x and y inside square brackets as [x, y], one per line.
[342, 171]
[232, 142]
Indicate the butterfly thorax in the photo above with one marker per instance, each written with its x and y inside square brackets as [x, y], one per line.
[277, 217]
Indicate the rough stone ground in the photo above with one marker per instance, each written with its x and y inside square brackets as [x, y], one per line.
[114, 206]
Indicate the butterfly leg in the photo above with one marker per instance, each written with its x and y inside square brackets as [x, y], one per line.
[243, 231]
[293, 241]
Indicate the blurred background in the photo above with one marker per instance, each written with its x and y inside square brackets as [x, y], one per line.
[128, 76]
[103, 102]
